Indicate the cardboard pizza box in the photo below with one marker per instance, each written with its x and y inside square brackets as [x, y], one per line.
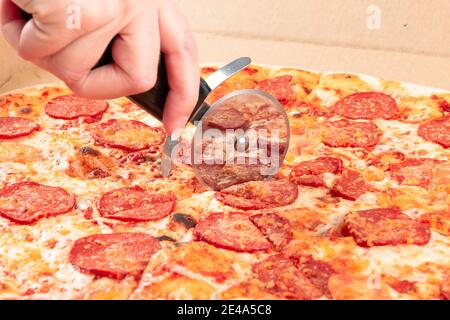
[399, 40]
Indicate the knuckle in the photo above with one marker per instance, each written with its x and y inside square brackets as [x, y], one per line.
[142, 83]
[76, 88]
[189, 45]
[183, 43]
[73, 79]
[40, 9]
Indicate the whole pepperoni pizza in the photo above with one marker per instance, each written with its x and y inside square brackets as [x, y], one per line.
[359, 210]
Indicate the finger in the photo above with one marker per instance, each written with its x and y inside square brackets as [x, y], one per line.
[57, 23]
[45, 34]
[12, 23]
[135, 52]
[180, 52]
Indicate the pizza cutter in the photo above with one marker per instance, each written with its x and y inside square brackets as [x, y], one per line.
[242, 137]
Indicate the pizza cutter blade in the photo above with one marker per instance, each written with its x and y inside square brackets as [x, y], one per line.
[242, 137]
[206, 86]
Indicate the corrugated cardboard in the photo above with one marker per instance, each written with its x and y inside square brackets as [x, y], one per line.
[412, 42]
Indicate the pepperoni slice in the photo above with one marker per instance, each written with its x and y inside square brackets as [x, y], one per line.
[403, 286]
[222, 176]
[350, 185]
[279, 276]
[114, 255]
[413, 172]
[27, 202]
[251, 70]
[437, 131]
[387, 226]
[128, 135]
[367, 105]
[135, 204]
[317, 272]
[255, 195]
[445, 106]
[276, 228]
[279, 87]
[13, 127]
[233, 231]
[227, 118]
[71, 107]
[345, 133]
[310, 173]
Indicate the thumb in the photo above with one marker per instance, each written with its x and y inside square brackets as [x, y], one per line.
[57, 23]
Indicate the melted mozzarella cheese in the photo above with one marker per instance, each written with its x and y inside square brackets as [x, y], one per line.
[327, 97]
[388, 258]
[401, 136]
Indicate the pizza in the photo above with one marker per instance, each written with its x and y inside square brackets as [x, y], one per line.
[360, 208]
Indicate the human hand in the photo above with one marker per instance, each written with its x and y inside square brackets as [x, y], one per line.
[141, 29]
